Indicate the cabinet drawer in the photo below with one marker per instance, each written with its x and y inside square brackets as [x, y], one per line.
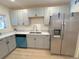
[31, 36]
[44, 36]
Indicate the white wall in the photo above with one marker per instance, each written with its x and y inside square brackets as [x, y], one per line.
[5, 11]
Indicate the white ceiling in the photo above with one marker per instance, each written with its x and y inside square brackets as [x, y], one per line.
[32, 3]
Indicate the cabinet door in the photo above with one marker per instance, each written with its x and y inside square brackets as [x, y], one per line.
[46, 17]
[25, 17]
[46, 39]
[14, 19]
[42, 41]
[12, 43]
[40, 11]
[31, 41]
[3, 48]
[31, 12]
[20, 17]
[26, 21]
[39, 41]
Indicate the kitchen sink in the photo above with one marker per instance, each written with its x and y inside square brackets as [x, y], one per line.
[35, 32]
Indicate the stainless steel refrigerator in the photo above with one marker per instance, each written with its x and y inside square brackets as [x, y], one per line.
[64, 33]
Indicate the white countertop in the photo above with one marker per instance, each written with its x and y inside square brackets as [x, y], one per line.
[6, 35]
[28, 33]
[20, 32]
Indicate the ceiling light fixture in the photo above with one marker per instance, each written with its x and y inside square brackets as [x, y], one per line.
[12, 0]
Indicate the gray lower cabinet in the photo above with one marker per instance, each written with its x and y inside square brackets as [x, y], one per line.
[31, 41]
[38, 41]
[3, 48]
[11, 43]
[7, 45]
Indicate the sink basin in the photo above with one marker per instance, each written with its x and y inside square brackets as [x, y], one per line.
[35, 32]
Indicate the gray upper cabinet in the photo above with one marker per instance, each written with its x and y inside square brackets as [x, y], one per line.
[14, 18]
[19, 17]
[40, 11]
[45, 12]
[31, 12]
[36, 12]
[46, 16]
[3, 48]
[23, 17]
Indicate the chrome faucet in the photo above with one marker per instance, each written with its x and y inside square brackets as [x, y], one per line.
[35, 28]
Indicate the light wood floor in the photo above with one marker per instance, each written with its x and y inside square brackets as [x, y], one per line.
[33, 54]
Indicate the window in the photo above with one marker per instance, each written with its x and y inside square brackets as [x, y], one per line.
[76, 1]
[2, 22]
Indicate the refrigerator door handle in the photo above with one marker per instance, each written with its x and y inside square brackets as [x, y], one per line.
[62, 31]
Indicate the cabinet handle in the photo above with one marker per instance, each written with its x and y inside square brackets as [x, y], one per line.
[1, 40]
[34, 38]
[7, 42]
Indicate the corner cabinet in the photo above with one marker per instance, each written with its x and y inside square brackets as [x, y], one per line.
[7, 44]
[19, 17]
[38, 41]
[11, 43]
